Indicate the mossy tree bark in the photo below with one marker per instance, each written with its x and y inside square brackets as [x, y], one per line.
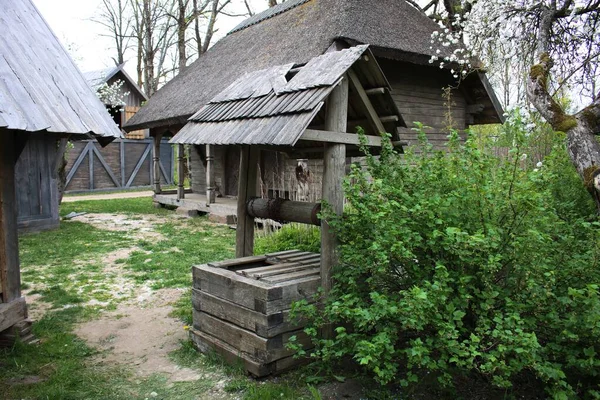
[581, 128]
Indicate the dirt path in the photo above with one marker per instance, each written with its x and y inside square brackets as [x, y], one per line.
[141, 334]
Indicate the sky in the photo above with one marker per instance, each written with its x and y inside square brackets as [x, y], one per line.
[71, 21]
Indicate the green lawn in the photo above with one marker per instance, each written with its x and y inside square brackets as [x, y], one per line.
[65, 267]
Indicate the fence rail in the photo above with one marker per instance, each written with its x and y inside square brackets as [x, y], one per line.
[122, 164]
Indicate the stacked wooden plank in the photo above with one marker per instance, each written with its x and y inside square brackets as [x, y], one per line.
[241, 308]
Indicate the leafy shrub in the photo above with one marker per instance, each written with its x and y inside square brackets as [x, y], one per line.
[290, 237]
[461, 262]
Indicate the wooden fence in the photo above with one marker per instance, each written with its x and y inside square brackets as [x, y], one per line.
[122, 164]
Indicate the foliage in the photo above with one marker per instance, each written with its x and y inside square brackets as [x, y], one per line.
[113, 94]
[290, 237]
[464, 263]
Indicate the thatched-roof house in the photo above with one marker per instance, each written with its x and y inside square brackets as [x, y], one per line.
[43, 100]
[296, 31]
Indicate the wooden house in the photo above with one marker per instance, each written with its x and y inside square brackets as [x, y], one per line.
[132, 95]
[44, 100]
[399, 38]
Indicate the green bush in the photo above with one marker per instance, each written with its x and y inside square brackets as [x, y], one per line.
[290, 237]
[463, 263]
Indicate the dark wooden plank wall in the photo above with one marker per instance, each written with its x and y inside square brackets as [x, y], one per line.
[226, 167]
[36, 183]
[121, 164]
[418, 92]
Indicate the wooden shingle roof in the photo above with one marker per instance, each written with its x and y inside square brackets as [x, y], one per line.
[41, 89]
[264, 107]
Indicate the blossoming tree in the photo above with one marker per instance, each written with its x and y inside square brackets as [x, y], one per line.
[559, 39]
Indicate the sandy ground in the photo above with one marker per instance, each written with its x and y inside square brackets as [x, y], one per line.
[141, 334]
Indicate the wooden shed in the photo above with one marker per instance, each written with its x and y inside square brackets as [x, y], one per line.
[133, 96]
[44, 99]
[294, 32]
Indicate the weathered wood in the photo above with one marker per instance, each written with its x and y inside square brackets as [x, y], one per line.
[264, 325]
[264, 350]
[365, 103]
[338, 137]
[302, 273]
[156, 162]
[91, 164]
[251, 293]
[122, 161]
[211, 193]
[10, 276]
[246, 191]
[210, 344]
[12, 313]
[105, 166]
[139, 164]
[238, 262]
[375, 91]
[285, 210]
[334, 169]
[180, 172]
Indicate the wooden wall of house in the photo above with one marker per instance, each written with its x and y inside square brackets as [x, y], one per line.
[225, 166]
[277, 172]
[419, 94]
[37, 190]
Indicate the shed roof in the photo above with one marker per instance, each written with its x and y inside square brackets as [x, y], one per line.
[99, 77]
[41, 89]
[294, 31]
[274, 106]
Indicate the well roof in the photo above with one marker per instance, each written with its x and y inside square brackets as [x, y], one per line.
[294, 31]
[274, 106]
[41, 89]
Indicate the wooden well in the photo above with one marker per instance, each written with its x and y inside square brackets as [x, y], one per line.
[242, 306]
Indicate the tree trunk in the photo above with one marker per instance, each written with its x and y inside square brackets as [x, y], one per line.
[181, 27]
[582, 144]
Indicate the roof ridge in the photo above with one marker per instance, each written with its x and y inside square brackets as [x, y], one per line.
[268, 14]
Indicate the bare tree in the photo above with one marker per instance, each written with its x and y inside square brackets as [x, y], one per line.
[116, 19]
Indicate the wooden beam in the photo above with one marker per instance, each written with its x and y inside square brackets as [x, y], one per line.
[156, 161]
[10, 275]
[375, 91]
[366, 102]
[244, 244]
[338, 137]
[334, 165]
[11, 313]
[180, 172]
[384, 119]
[210, 175]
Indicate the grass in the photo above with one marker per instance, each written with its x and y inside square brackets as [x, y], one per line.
[66, 268]
[141, 205]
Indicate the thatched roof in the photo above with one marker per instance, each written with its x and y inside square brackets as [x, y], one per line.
[294, 31]
[41, 89]
[274, 106]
